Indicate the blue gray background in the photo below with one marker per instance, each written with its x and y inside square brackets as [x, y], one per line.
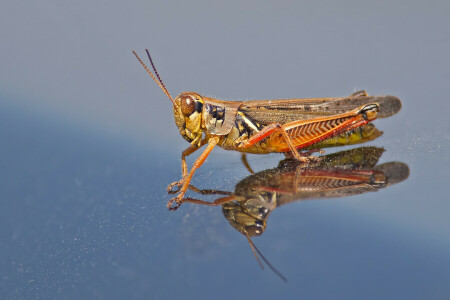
[88, 145]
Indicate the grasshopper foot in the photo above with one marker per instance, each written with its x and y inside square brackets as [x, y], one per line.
[178, 184]
[174, 203]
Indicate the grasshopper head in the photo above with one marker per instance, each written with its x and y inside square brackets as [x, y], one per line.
[242, 220]
[187, 112]
[248, 215]
[187, 107]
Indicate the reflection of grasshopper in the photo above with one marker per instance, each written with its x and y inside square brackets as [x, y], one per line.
[335, 175]
[266, 126]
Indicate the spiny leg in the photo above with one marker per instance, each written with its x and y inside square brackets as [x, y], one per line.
[359, 135]
[271, 129]
[308, 132]
[212, 142]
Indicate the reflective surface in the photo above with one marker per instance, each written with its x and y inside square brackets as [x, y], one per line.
[341, 174]
[336, 175]
[88, 146]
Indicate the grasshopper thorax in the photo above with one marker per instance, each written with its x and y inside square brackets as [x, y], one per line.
[187, 112]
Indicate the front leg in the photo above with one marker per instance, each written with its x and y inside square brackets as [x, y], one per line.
[188, 151]
[212, 142]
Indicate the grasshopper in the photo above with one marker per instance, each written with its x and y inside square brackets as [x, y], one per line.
[264, 126]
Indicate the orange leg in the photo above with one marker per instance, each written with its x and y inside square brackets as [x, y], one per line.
[299, 134]
[188, 151]
[212, 142]
[269, 130]
[305, 133]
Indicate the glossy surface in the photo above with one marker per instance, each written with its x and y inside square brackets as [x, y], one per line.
[88, 145]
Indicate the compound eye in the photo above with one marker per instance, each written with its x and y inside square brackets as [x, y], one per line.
[255, 230]
[187, 105]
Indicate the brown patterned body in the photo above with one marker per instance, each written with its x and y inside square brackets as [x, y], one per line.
[302, 133]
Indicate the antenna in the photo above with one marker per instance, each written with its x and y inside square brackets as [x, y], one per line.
[256, 251]
[158, 81]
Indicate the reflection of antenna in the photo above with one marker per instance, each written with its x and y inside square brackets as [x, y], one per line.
[256, 251]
